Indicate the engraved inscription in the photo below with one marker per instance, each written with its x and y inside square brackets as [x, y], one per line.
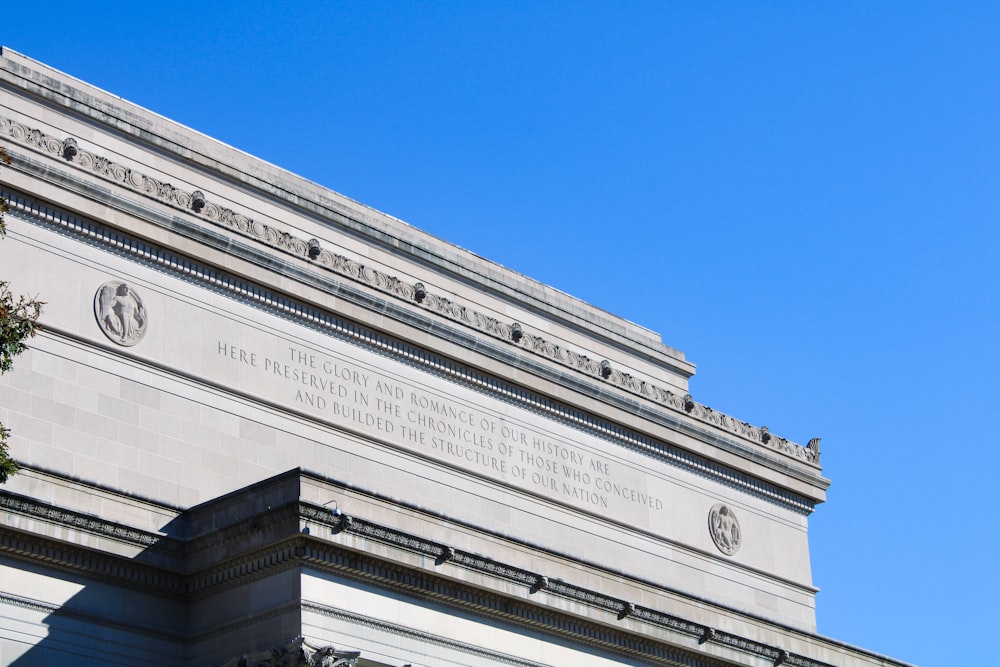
[415, 417]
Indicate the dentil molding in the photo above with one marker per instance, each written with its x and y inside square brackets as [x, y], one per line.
[196, 203]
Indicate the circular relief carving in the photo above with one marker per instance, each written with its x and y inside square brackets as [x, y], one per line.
[120, 313]
[724, 529]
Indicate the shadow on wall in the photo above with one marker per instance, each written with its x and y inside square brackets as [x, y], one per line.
[218, 581]
[219, 585]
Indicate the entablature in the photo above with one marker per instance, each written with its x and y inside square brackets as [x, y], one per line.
[222, 192]
[409, 304]
[500, 578]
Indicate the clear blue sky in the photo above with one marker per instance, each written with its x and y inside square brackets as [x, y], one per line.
[804, 197]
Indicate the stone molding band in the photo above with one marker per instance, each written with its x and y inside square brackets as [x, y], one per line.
[537, 582]
[619, 640]
[106, 567]
[153, 632]
[423, 637]
[195, 203]
[27, 506]
[163, 259]
[298, 550]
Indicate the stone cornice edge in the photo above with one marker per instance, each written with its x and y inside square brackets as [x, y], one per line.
[297, 549]
[195, 203]
[317, 318]
[130, 121]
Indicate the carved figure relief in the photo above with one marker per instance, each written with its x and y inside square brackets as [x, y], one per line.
[724, 529]
[120, 313]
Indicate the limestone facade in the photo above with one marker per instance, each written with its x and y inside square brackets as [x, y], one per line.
[265, 424]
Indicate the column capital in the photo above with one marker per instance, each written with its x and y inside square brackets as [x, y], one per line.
[297, 653]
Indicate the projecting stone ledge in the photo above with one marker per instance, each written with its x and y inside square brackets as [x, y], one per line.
[67, 152]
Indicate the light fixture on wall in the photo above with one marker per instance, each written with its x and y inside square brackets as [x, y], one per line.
[335, 513]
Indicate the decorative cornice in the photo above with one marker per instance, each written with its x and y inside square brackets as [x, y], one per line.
[621, 640]
[293, 549]
[88, 522]
[338, 522]
[107, 567]
[27, 603]
[298, 551]
[248, 566]
[622, 609]
[238, 533]
[195, 203]
[164, 260]
[626, 640]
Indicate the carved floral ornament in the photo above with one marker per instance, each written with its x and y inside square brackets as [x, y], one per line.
[196, 203]
[120, 313]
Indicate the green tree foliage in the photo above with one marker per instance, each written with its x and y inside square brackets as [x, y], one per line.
[18, 322]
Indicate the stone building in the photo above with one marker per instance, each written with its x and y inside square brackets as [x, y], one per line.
[267, 425]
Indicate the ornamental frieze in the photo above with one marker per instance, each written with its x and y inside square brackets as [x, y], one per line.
[196, 203]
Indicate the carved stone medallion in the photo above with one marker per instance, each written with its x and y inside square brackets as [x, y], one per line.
[724, 529]
[120, 313]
